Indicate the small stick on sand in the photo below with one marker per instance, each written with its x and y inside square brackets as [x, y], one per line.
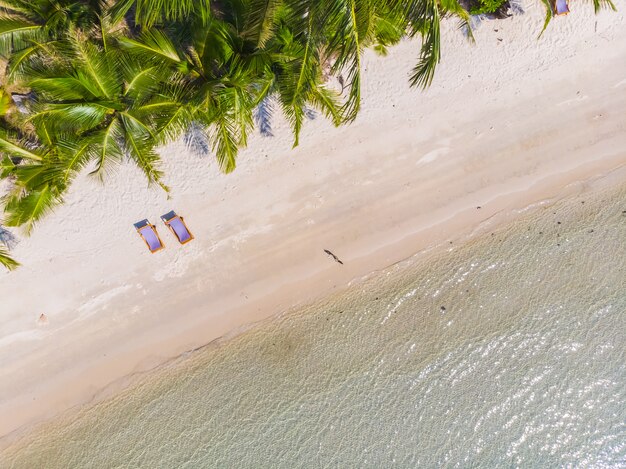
[333, 256]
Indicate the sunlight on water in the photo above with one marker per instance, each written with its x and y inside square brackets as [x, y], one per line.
[508, 351]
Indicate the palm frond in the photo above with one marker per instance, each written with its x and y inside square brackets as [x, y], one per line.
[151, 44]
[237, 103]
[20, 60]
[6, 260]
[33, 177]
[6, 103]
[17, 33]
[10, 145]
[355, 26]
[213, 47]
[389, 29]
[140, 145]
[79, 117]
[423, 73]
[599, 4]
[64, 88]
[261, 21]
[95, 65]
[225, 144]
[147, 13]
[549, 13]
[76, 155]
[167, 112]
[141, 82]
[26, 211]
[295, 81]
[172, 122]
[328, 102]
[120, 9]
[453, 7]
[15, 7]
[107, 147]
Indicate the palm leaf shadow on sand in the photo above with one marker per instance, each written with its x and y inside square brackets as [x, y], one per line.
[197, 140]
[263, 116]
[7, 238]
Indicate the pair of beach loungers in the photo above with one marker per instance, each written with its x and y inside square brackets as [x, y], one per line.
[175, 223]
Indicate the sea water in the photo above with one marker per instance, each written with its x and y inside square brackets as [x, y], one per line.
[507, 351]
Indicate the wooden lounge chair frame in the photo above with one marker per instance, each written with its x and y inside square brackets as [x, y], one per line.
[146, 224]
[167, 219]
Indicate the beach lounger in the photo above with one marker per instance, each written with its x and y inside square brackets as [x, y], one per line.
[149, 234]
[178, 227]
[561, 7]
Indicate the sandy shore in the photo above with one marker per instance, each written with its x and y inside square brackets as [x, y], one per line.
[507, 123]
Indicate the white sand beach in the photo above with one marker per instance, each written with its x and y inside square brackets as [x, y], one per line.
[508, 122]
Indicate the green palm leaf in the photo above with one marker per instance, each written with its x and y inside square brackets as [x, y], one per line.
[6, 260]
[152, 44]
[293, 98]
[106, 146]
[11, 147]
[140, 145]
[599, 4]
[6, 103]
[426, 21]
[120, 9]
[17, 33]
[211, 49]
[225, 144]
[28, 210]
[141, 82]
[79, 117]
[95, 65]
[64, 88]
[327, 101]
[260, 22]
[355, 27]
[63, 159]
[169, 117]
[150, 12]
[19, 62]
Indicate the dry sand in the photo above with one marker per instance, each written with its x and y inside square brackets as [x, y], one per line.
[508, 122]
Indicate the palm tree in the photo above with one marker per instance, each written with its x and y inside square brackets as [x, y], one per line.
[109, 80]
[339, 30]
[225, 75]
[102, 95]
[237, 57]
[95, 106]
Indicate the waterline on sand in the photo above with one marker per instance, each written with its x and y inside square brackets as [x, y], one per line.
[508, 350]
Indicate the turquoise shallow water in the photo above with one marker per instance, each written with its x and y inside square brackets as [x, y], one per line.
[507, 351]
